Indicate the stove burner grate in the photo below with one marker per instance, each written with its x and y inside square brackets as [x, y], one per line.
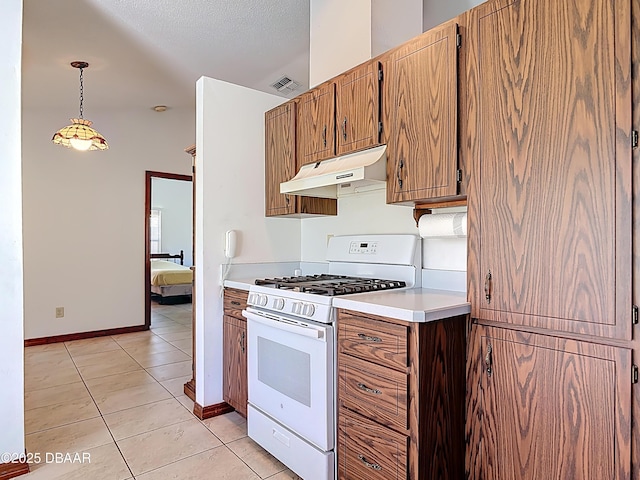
[331, 285]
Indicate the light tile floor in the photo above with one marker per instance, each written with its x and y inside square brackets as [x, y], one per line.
[119, 400]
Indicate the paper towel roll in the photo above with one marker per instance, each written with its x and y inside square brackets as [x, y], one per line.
[443, 225]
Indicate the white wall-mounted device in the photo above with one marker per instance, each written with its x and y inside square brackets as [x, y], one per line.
[230, 243]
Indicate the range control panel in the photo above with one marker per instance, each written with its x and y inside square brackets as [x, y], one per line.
[363, 248]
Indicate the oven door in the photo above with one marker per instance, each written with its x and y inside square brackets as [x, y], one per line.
[290, 373]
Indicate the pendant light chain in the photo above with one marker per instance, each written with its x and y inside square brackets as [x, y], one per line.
[81, 92]
[79, 134]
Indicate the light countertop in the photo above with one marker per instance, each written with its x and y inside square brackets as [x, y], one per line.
[241, 284]
[411, 305]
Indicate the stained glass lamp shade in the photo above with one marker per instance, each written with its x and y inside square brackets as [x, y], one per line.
[79, 134]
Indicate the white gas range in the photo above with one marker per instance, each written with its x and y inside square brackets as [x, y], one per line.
[291, 346]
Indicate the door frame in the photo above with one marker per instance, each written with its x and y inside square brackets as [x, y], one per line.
[149, 174]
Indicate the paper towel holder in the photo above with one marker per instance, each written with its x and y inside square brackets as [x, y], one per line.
[426, 208]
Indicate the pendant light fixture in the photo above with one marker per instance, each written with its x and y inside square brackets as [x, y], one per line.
[79, 134]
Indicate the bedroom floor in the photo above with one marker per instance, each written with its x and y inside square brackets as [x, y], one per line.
[119, 401]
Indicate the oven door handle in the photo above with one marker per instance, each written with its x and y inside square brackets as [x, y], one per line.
[317, 333]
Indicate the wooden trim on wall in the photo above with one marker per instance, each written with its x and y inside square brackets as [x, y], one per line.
[149, 174]
[190, 389]
[12, 470]
[31, 342]
[211, 410]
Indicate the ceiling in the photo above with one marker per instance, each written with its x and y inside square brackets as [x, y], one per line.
[143, 53]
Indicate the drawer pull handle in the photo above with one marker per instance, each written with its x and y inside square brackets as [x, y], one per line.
[363, 387]
[369, 338]
[375, 466]
[233, 302]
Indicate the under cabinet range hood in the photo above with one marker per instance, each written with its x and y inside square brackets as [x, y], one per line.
[350, 172]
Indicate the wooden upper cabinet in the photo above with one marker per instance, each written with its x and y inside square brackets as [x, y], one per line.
[316, 124]
[422, 89]
[358, 108]
[280, 158]
[548, 408]
[550, 245]
[281, 166]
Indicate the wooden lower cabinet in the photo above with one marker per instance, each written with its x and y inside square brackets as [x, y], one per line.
[369, 450]
[401, 388]
[234, 376]
[547, 407]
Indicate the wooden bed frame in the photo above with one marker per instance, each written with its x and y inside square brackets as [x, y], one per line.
[168, 256]
[171, 291]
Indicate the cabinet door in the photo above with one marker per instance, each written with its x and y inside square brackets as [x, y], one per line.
[280, 159]
[554, 165]
[235, 364]
[357, 108]
[316, 124]
[422, 154]
[549, 408]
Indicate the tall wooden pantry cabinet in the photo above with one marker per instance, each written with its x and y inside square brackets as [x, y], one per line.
[550, 363]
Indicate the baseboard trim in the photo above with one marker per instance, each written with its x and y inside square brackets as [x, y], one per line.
[31, 342]
[12, 470]
[211, 410]
[190, 389]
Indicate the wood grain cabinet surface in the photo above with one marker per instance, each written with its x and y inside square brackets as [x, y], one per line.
[551, 212]
[234, 354]
[316, 126]
[280, 157]
[281, 165]
[550, 256]
[341, 115]
[549, 408]
[358, 108]
[422, 89]
[400, 398]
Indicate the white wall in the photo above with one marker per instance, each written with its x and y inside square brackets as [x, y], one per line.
[174, 198]
[230, 195]
[340, 37]
[394, 22]
[11, 290]
[436, 12]
[84, 216]
[359, 213]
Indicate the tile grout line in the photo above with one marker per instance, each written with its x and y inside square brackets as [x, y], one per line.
[101, 415]
[227, 444]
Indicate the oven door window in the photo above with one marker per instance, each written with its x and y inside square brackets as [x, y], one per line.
[285, 369]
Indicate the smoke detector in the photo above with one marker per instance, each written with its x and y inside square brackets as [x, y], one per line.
[285, 84]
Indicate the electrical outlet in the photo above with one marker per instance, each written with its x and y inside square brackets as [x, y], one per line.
[59, 312]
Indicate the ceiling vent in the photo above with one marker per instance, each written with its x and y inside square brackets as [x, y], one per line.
[285, 84]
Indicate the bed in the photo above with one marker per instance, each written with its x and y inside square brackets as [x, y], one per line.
[170, 279]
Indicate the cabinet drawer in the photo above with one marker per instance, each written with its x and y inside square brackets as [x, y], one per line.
[368, 450]
[374, 391]
[234, 302]
[372, 340]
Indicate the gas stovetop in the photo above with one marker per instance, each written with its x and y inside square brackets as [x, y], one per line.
[331, 285]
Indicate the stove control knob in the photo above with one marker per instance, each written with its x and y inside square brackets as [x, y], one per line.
[252, 298]
[296, 307]
[278, 303]
[309, 310]
[263, 300]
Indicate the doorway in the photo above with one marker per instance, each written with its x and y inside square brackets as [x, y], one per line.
[168, 233]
